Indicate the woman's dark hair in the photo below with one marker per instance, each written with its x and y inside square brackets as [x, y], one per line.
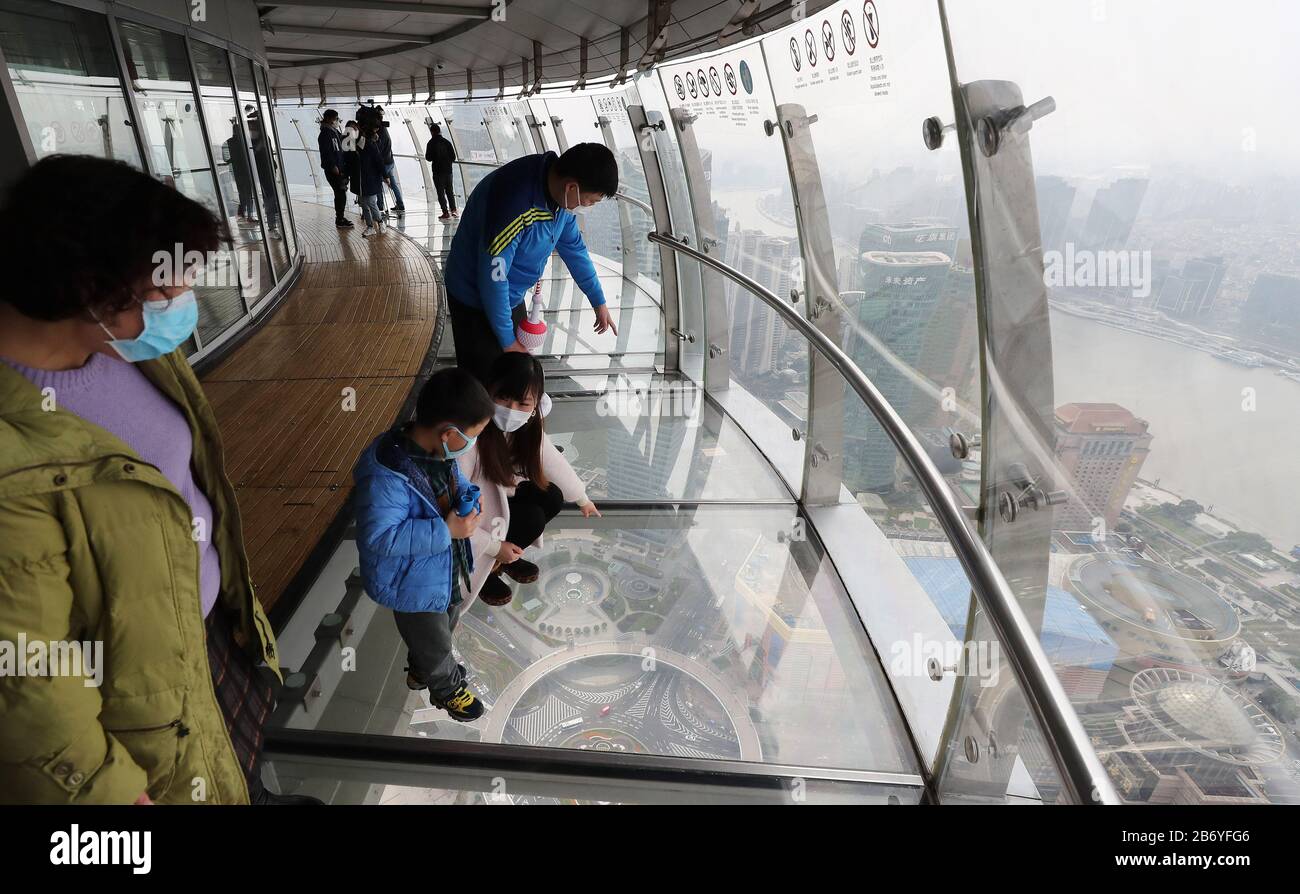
[592, 165]
[452, 397]
[514, 376]
[91, 252]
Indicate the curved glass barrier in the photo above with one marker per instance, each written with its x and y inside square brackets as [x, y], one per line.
[234, 168]
[743, 216]
[1142, 365]
[173, 135]
[71, 101]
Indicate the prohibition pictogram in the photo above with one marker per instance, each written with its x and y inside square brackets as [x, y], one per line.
[848, 33]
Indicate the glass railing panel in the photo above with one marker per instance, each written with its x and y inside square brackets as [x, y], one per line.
[656, 441]
[272, 157]
[577, 117]
[903, 273]
[261, 171]
[470, 137]
[1171, 372]
[559, 293]
[742, 196]
[234, 169]
[638, 253]
[707, 633]
[299, 128]
[690, 298]
[71, 103]
[172, 132]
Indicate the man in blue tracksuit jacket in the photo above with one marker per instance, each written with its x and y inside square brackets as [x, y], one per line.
[515, 217]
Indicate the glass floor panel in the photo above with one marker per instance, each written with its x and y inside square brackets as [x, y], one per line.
[660, 444]
[698, 633]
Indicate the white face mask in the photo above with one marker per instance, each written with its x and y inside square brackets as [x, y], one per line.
[579, 208]
[509, 420]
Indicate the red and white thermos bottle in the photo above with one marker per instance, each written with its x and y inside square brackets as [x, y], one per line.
[532, 331]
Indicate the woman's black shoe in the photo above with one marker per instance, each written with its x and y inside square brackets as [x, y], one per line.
[495, 591]
[521, 571]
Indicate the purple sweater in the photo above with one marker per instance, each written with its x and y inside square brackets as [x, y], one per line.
[116, 396]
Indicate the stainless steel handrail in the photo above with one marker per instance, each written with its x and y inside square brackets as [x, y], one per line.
[1075, 757]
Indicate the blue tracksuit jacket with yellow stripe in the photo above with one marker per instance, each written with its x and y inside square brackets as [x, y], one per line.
[508, 229]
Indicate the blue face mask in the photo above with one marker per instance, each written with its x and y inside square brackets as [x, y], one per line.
[166, 326]
[448, 453]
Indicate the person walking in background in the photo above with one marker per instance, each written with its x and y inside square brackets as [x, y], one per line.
[412, 541]
[118, 524]
[349, 146]
[515, 217]
[370, 163]
[440, 153]
[236, 153]
[333, 164]
[265, 172]
[390, 165]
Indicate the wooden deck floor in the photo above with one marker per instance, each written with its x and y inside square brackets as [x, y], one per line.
[301, 397]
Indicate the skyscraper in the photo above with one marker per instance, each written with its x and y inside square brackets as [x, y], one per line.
[1101, 447]
[1055, 199]
[900, 292]
[1191, 291]
[757, 334]
[1114, 211]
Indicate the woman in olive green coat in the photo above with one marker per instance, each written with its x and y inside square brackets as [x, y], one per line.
[119, 529]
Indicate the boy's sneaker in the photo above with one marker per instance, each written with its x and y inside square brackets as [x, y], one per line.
[463, 705]
[495, 591]
[368, 232]
[444, 216]
[521, 571]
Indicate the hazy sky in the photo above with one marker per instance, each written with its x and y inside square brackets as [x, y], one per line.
[1144, 81]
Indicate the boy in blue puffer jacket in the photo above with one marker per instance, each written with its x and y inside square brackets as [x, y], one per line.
[415, 552]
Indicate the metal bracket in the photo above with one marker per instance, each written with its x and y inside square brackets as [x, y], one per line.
[739, 25]
[428, 74]
[990, 129]
[624, 52]
[656, 40]
[321, 83]
[1025, 491]
[581, 83]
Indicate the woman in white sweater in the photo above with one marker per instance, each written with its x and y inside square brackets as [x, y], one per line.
[524, 480]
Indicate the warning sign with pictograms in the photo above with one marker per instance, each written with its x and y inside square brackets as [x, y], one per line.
[842, 47]
[728, 87]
